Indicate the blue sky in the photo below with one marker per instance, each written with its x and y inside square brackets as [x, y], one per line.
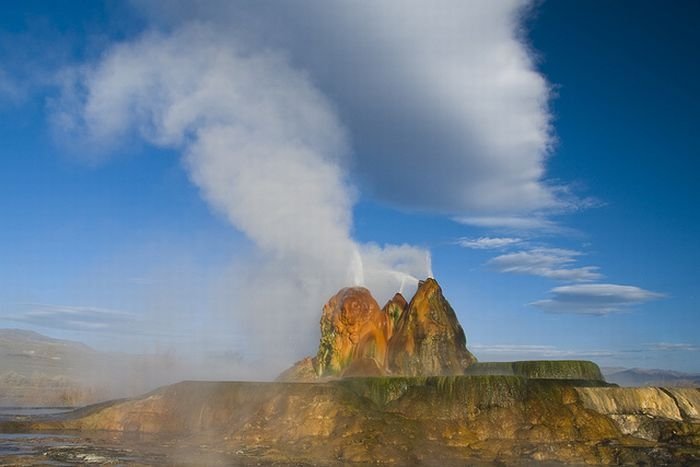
[552, 187]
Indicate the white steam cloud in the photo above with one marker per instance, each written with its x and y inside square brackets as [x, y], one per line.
[281, 109]
[267, 151]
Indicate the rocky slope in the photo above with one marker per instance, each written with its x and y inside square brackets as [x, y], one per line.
[449, 420]
[39, 370]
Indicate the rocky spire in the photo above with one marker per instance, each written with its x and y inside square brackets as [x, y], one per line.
[353, 334]
[393, 310]
[421, 338]
[428, 339]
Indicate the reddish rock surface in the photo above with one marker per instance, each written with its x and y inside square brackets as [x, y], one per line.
[353, 328]
[428, 339]
[422, 338]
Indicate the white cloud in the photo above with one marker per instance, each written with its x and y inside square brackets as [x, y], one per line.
[487, 243]
[674, 347]
[546, 262]
[535, 222]
[445, 106]
[594, 299]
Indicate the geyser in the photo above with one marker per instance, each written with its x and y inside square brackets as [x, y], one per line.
[420, 338]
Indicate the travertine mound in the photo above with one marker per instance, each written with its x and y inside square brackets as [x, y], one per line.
[394, 310]
[420, 338]
[634, 409]
[542, 369]
[353, 329]
[449, 420]
[428, 339]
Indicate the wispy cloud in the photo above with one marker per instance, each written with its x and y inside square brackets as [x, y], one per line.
[76, 318]
[594, 299]
[487, 243]
[536, 351]
[514, 223]
[545, 262]
[674, 347]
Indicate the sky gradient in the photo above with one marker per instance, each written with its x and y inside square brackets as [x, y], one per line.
[203, 176]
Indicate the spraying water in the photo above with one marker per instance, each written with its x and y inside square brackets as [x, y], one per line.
[357, 268]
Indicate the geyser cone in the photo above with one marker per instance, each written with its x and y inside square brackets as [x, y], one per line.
[422, 338]
[394, 310]
[353, 332]
[428, 339]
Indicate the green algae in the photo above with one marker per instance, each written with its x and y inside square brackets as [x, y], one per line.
[558, 369]
[380, 390]
[540, 369]
[394, 312]
[470, 390]
[490, 369]
[325, 347]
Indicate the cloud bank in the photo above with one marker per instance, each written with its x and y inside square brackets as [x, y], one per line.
[442, 100]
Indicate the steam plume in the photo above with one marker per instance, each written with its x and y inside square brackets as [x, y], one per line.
[266, 150]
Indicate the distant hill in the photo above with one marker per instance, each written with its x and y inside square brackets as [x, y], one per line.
[39, 370]
[644, 377]
[25, 351]
[36, 370]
